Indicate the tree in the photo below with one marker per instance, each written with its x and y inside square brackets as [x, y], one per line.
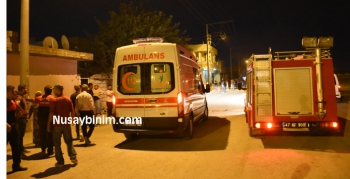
[131, 22]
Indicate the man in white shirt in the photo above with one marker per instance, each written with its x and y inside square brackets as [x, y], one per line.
[109, 100]
[84, 107]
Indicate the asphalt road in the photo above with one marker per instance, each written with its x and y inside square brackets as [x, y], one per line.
[221, 148]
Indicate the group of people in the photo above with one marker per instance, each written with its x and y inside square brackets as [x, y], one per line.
[85, 102]
[224, 84]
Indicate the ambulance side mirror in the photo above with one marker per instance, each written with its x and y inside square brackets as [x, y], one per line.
[207, 88]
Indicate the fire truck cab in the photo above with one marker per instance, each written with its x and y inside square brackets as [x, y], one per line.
[293, 90]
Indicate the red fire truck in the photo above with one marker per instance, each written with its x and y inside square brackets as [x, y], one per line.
[292, 90]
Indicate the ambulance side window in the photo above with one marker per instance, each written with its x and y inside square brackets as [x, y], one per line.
[198, 81]
[129, 79]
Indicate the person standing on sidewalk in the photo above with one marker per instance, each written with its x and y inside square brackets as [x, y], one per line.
[12, 134]
[73, 97]
[22, 119]
[62, 108]
[33, 110]
[84, 107]
[109, 100]
[97, 94]
[45, 102]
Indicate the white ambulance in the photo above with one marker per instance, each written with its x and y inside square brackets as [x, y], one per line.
[159, 85]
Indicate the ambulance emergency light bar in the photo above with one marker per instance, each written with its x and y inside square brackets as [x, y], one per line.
[147, 40]
[313, 42]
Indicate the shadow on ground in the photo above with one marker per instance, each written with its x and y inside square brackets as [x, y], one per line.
[85, 145]
[37, 156]
[53, 171]
[208, 135]
[327, 142]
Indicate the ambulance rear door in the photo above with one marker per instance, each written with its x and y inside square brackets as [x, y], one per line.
[130, 77]
[160, 89]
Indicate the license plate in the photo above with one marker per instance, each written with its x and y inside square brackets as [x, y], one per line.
[295, 125]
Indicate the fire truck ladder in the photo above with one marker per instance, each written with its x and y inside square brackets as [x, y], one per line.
[263, 87]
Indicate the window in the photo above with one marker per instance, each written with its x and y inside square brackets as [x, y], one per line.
[146, 78]
[160, 78]
[129, 79]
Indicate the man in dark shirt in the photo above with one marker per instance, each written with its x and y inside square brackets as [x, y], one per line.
[90, 91]
[73, 97]
[22, 119]
[63, 109]
[12, 134]
[45, 102]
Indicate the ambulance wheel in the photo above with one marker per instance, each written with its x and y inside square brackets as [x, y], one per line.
[190, 128]
[206, 113]
[130, 136]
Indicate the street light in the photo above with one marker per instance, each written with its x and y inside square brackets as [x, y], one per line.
[223, 36]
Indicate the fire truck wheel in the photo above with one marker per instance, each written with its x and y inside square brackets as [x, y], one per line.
[338, 100]
[256, 132]
[130, 136]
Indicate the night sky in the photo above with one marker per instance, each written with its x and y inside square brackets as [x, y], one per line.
[256, 25]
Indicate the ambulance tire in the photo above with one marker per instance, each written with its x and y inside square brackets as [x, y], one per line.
[130, 136]
[190, 128]
[206, 113]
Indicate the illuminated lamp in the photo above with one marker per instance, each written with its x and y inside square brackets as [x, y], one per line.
[269, 125]
[257, 125]
[334, 124]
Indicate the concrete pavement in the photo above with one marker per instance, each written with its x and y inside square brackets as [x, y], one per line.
[220, 148]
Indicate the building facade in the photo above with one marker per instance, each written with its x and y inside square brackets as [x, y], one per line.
[47, 66]
[215, 65]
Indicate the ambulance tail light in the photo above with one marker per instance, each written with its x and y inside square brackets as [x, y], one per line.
[180, 104]
[114, 100]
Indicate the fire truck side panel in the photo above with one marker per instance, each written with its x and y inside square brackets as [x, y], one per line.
[301, 106]
[328, 92]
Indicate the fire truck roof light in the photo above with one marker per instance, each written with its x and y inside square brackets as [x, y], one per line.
[148, 40]
[325, 42]
[309, 42]
[257, 125]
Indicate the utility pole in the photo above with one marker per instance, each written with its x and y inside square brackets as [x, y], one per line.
[209, 40]
[206, 29]
[231, 63]
[24, 44]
